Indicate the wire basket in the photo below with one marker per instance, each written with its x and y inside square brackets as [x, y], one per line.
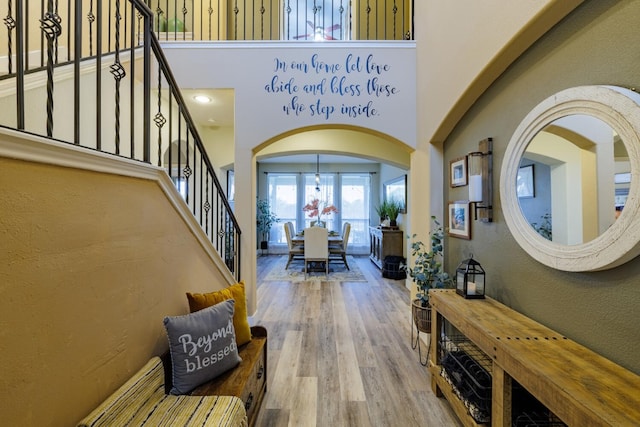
[421, 316]
[468, 370]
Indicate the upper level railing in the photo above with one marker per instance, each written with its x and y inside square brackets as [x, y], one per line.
[92, 73]
[311, 20]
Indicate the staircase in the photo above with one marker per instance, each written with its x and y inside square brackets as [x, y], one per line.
[92, 74]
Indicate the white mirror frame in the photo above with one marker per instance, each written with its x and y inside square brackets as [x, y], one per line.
[616, 106]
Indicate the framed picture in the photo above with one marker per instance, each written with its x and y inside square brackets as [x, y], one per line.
[459, 220]
[396, 189]
[524, 184]
[458, 172]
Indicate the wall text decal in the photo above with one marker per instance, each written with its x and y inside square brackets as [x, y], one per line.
[328, 90]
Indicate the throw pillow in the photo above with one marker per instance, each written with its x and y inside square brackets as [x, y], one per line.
[202, 346]
[240, 319]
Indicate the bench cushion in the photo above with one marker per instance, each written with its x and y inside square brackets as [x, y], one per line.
[142, 401]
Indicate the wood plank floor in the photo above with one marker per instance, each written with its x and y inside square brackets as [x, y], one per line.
[339, 354]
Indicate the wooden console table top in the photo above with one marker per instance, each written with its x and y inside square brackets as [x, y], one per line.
[578, 385]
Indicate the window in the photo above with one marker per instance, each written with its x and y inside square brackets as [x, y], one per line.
[316, 22]
[355, 196]
[350, 193]
[283, 199]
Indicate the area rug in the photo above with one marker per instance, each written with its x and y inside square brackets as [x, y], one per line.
[337, 272]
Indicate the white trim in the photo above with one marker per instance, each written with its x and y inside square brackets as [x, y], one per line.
[620, 109]
[64, 73]
[288, 45]
[31, 148]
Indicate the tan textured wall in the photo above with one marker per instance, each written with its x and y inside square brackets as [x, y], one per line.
[596, 44]
[461, 48]
[90, 264]
[464, 45]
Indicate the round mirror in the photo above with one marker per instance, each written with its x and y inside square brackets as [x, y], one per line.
[573, 179]
[569, 179]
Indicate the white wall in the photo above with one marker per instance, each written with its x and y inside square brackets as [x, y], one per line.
[278, 91]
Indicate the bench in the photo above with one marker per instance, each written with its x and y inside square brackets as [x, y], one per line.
[232, 399]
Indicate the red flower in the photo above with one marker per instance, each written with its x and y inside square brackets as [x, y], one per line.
[313, 208]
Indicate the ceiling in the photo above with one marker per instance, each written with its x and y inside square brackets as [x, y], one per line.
[219, 112]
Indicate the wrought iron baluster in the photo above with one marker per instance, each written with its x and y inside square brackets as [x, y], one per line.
[368, 18]
[206, 206]
[77, 57]
[160, 121]
[343, 31]
[11, 24]
[235, 20]
[262, 11]
[395, 16]
[170, 133]
[187, 169]
[99, 75]
[51, 28]
[210, 12]
[132, 82]
[20, 47]
[184, 19]
[118, 72]
[91, 18]
[159, 13]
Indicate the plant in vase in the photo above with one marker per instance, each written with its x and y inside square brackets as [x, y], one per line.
[427, 273]
[264, 221]
[381, 210]
[316, 208]
[393, 210]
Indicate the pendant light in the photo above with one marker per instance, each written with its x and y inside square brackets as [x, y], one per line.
[317, 173]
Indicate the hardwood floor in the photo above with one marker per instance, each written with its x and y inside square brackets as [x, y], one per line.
[339, 354]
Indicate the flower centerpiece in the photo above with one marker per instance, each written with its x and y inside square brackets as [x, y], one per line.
[316, 208]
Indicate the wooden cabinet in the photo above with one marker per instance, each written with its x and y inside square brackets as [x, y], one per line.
[383, 243]
[576, 385]
[248, 380]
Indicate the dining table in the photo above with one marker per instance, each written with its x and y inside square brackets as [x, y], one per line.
[335, 239]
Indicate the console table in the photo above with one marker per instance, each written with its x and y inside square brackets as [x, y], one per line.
[384, 242]
[578, 386]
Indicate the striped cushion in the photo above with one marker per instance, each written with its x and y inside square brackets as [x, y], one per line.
[142, 401]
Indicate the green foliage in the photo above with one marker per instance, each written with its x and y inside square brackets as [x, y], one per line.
[427, 270]
[381, 209]
[265, 218]
[393, 209]
[544, 228]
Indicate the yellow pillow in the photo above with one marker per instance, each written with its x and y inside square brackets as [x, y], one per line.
[240, 321]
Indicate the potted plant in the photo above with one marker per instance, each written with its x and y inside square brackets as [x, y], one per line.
[264, 221]
[428, 274]
[381, 210]
[393, 210]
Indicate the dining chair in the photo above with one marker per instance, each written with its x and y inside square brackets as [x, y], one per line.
[295, 251]
[340, 251]
[316, 247]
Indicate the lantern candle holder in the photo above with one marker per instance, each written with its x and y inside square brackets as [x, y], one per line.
[470, 279]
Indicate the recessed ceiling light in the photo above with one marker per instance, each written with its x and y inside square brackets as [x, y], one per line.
[211, 120]
[202, 99]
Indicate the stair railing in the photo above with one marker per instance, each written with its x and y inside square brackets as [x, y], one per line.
[137, 112]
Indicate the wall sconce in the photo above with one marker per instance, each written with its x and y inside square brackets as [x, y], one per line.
[480, 164]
